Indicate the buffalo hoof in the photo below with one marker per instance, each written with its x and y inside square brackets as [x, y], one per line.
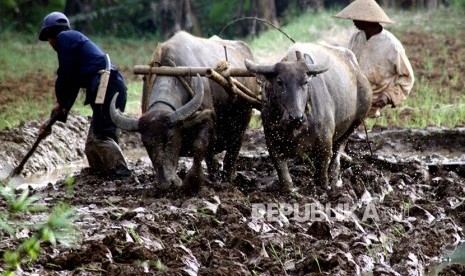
[215, 178]
[192, 183]
[341, 196]
[311, 190]
[287, 187]
[163, 189]
[167, 187]
[220, 176]
[280, 188]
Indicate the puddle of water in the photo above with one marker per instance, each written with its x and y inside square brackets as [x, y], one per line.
[456, 257]
[39, 181]
[137, 154]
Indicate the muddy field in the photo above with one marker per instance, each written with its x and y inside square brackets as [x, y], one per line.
[398, 211]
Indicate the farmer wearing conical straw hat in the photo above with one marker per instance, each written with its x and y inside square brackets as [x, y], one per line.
[380, 55]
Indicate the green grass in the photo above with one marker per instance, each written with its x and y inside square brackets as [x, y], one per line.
[307, 28]
[133, 104]
[126, 53]
[434, 101]
[27, 108]
[19, 56]
[443, 21]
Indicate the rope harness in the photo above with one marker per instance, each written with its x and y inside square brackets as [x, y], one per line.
[148, 84]
[221, 75]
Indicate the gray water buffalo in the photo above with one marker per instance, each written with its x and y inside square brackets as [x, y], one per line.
[313, 99]
[177, 124]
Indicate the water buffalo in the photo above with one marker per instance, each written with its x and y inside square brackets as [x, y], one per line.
[177, 124]
[312, 101]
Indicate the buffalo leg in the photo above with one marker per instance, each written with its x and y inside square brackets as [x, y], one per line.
[335, 165]
[229, 165]
[230, 158]
[213, 166]
[322, 161]
[239, 120]
[195, 177]
[339, 146]
[282, 169]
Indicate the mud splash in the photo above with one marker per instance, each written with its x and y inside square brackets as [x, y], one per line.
[395, 214]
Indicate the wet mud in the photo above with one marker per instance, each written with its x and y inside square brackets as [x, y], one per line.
[398, 210]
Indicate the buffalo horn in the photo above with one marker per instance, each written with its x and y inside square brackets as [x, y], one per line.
[260, 69]
[316, 69]
[192, 106]
[120, 120]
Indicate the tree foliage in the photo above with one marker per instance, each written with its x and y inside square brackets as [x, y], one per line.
[164, 17]
[142, 17]
[26, 16]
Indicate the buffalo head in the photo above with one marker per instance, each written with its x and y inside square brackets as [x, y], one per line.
[160, 128]
[288, 87]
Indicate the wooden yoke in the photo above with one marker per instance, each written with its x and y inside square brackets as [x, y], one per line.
[186, 71]
[222, 74]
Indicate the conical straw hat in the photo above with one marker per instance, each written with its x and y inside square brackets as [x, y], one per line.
[365, 10]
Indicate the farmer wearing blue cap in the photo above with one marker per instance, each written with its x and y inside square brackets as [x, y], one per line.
[82, 64]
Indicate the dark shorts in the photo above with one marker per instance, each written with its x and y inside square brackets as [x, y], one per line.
[102, 125]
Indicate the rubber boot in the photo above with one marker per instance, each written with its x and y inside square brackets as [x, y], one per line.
[105, 157]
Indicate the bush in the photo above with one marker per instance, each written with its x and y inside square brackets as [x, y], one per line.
[458, 3]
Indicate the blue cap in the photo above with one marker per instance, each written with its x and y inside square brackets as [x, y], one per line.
[53, 19]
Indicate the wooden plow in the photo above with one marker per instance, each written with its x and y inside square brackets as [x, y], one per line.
[222, 74]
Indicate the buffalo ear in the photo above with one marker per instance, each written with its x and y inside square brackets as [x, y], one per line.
[314, 69]
[308, 59]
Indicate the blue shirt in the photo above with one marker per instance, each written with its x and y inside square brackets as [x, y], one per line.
[79, 62]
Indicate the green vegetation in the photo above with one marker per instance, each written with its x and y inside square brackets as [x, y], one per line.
[57, 228]
[436, 99]
[307, 28]
[458, 3]
[22, 54]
